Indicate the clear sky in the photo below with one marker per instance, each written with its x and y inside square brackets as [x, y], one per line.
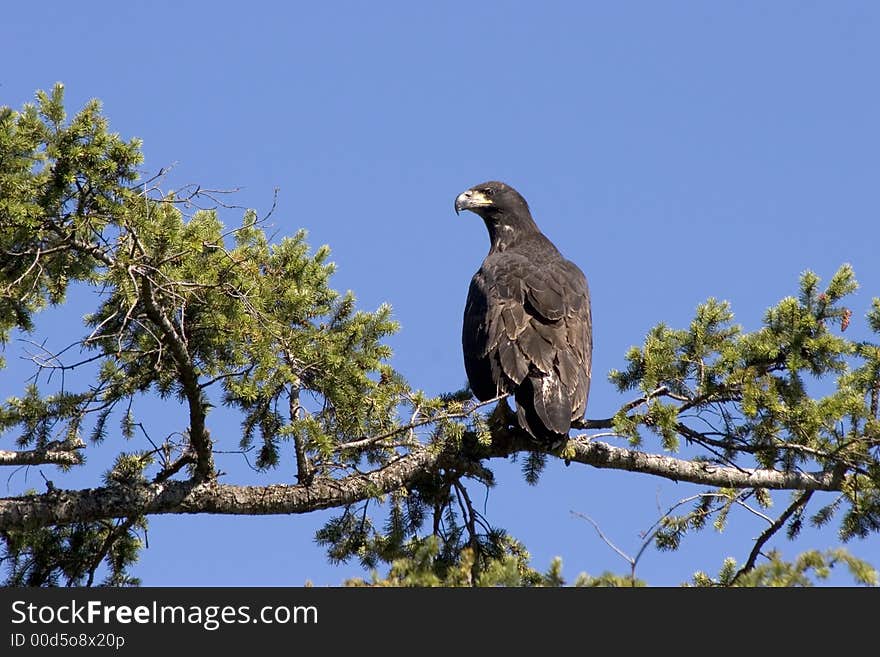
[675, 151]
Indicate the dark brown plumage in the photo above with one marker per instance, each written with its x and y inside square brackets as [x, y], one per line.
[527, 323]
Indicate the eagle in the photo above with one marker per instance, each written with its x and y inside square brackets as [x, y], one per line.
[527, 327]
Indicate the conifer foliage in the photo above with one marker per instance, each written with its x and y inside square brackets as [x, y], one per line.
[195, 314]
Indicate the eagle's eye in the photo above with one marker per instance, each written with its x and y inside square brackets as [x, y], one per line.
[488, 191]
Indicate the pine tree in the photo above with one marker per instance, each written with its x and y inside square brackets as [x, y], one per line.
[197, 314]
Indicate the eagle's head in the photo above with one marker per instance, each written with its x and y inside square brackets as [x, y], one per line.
[492, 198]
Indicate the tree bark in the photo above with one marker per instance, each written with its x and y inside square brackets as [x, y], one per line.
[41, 457]
[179, 497]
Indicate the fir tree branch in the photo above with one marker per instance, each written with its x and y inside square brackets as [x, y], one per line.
[189, 380]
[195, 496]
[303, 465]
[608, 422]
[469, 514]
[415, 424]
[173, 468]
[71, 242]
[603, 455]
[112, 536]
[509, 440]
[875, 398]
[64, 456]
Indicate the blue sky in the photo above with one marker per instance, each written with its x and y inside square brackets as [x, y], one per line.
[675, 151]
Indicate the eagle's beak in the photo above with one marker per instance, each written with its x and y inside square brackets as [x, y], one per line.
[469, 200]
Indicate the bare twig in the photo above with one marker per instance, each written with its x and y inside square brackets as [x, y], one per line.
[651, 532]
[623, 555]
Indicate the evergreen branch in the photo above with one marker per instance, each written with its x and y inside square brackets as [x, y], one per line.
[705, 440]
[61, 455]
[469, 514]
[227, 375]
[608, 423]
[112, 536]
[602, 455]
[414, 424]
[700, 439]
[189, 380]
[511, 440]
[208, 496]
[81, 245]
[173, 468]
[303, 466]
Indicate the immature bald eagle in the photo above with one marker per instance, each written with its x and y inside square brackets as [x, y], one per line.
[527, 322]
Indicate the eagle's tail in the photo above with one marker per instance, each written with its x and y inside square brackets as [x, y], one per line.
[543, 410]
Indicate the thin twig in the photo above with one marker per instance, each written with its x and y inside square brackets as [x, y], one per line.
[365, 442]
[768, 533]
[608, 542]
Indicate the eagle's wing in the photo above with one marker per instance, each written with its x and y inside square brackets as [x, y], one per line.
[527, 328]
[478, 338]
